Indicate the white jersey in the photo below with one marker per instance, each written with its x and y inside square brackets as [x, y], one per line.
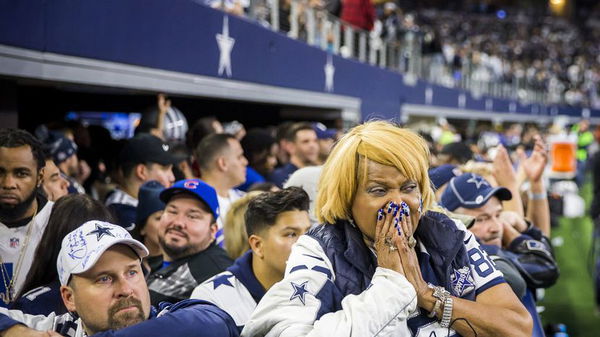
[224, 205]
[291, 307]
[236, 291]
[118, 196]
[11, 246]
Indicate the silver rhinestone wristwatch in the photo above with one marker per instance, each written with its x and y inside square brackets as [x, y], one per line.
[447, 314]
[440, 295]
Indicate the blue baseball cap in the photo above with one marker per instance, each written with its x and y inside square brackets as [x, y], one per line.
[442, 174]
[471, 191]
[196, 188]
[323, 132]
[148, 201]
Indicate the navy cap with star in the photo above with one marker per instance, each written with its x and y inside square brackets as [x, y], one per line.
[470, 190]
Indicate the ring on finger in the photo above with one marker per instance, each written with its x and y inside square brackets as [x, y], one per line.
[412, 242]
[388, 241]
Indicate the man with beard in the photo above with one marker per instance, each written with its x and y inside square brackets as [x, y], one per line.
[24, 212]
[103, 287]
[186, 234]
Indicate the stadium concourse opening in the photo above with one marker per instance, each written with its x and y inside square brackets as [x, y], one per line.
[42, 103]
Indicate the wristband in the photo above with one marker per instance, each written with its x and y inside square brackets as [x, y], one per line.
[537, 196]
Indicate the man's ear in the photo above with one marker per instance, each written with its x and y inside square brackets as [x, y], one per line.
[40, 176]
[141, 172]
[68, 297]
[256, 244]
[213, 229]
[221, 163]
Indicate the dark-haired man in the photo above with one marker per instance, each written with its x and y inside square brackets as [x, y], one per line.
[303, 148]
[186, 234]
[24, 212]
[223, 166]
[103, 287]
[274, 221]
[143, 158]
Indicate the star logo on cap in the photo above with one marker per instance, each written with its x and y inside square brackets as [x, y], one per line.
[299, 291]
[478, 181]
[100, 232]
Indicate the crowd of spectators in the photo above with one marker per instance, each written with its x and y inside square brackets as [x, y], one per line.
[519, 50]
[219, 210]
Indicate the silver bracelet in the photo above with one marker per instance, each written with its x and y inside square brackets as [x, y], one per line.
[537, 196]
[447, 315]
[440, 295]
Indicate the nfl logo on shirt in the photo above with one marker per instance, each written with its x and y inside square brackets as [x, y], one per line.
[14, 242]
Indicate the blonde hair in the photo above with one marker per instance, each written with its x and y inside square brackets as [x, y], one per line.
[486, 170]
[234, 226]
[480, 168]
[378, 141]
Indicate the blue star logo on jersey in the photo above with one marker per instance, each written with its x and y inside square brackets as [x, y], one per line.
[462, 281]
[222, 280]
[100, 232]
[478, 181]
[299, 291]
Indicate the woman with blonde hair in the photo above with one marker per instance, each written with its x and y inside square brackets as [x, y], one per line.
[234, 227]
[382, 263]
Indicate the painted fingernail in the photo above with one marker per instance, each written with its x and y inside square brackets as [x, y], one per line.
[380, 215]
[391, 207]
[399, 231]
[396, 222]
[405, 208]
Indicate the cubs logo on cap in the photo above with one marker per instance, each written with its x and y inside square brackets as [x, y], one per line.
[196, 188]
[471, 191]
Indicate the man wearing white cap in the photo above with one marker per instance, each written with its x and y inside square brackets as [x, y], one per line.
[103, 287]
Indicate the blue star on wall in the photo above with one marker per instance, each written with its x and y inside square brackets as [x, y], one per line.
[100, 232]
[299, 291]
[222, 280]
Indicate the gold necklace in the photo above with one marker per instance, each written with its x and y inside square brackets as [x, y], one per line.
[7, 295]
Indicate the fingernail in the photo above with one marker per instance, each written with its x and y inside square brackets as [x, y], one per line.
[396, 222]
[391, 207]
[399, 231]
[380, 215]
[405, 208]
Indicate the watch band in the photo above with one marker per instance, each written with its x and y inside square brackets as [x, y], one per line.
[440, 295]
[436, 307]
[447, 314]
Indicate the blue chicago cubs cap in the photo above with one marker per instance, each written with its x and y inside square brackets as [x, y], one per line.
[442, 174]
[471, 191]
[196, 188]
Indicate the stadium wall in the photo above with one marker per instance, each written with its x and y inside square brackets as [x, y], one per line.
[180, 46]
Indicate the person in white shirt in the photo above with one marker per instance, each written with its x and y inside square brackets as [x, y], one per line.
[24, 212]
[222, 166]
[274, 222]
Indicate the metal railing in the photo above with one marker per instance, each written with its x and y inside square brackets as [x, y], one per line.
[404, 54]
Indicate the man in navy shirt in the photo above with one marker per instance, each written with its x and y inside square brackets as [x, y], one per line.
[103, 287]
[303, 148]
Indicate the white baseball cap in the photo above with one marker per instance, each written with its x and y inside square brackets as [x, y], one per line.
[82, 247]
